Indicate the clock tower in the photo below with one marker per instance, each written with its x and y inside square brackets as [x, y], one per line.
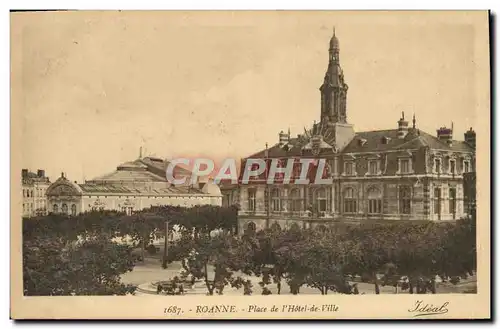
[334, 89]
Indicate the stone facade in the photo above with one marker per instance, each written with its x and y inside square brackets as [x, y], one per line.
[34, 186]
[396, 174]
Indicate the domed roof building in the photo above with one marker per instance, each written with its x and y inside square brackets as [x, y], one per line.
[134, 185]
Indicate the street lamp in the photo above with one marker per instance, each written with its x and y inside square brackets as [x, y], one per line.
[165, 248]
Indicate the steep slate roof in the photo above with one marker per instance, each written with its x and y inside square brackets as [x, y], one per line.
[143, 171]
[414, 139]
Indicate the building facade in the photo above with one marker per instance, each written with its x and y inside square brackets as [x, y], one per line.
[133, 186]
[402, 173]
[34, 186]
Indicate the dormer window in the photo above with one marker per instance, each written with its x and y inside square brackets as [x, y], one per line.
[362, 141]
[349, 168]
[405, 165]
[386, 140]
[373, 167]
[437, 166]
[466, 166]
[453, 167]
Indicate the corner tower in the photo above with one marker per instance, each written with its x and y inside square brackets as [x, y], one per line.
[334, 89]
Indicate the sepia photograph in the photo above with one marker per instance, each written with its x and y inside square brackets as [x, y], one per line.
[249, 164]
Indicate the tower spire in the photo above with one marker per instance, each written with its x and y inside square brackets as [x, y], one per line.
[414, 121]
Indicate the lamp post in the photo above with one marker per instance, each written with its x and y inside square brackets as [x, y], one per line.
[165, 248]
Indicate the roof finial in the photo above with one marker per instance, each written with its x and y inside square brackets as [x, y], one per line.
[414, 121]
[402, 115]
[140, 152]
[334, 30]
[288, 131]
[452, 126]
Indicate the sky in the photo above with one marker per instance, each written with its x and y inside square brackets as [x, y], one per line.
[97, 86]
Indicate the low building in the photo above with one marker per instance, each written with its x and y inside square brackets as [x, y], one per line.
[34, 186]
[134, 185]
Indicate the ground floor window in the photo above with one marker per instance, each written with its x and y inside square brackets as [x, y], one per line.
[127, 210]
[350, 202]
[405, 200]
[437, 200]
[295, 200]
[453, 201]
[374, 201]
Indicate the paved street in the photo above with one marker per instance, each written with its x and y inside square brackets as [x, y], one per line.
[151, 271]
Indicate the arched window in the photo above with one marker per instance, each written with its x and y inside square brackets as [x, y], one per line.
[55, 208]
[275, 200]
[350, 201]
[374, 201]
[294, 227]
[404, 200]
[64, 209]
[276, 227]
[321, 199]
[73, 209]
[296, 201]
[321, 228]
[251, 228]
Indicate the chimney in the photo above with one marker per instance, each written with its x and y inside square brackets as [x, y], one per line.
[402, 126]
[445, 134]
[24, 173]
[40, 173]
[284, 138]
[470, 138]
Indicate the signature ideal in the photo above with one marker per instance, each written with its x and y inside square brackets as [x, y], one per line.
[422, 309]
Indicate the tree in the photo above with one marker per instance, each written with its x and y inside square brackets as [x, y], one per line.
[221, 255]
[91, 266]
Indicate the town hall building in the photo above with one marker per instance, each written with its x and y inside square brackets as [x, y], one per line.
[400, 173]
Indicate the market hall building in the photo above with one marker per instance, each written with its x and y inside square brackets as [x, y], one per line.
[133, 186]
[402, 173]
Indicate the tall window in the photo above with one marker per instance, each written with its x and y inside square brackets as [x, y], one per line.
[466, 166]
[55, 208]
[350, 205]
[374, 201]
[404, 166]
[251, 199]
[452, 167]
[251, 227]
[73, 209]
[275, 200]
[437, 200]
[373, 167]
[437, 166]
[452, 201]
[296, 202]
[321, 199]
[349, 168]
[64, 209]
[128, 210]
[404, 200]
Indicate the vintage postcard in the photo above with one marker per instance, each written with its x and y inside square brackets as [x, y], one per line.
[250, 165]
